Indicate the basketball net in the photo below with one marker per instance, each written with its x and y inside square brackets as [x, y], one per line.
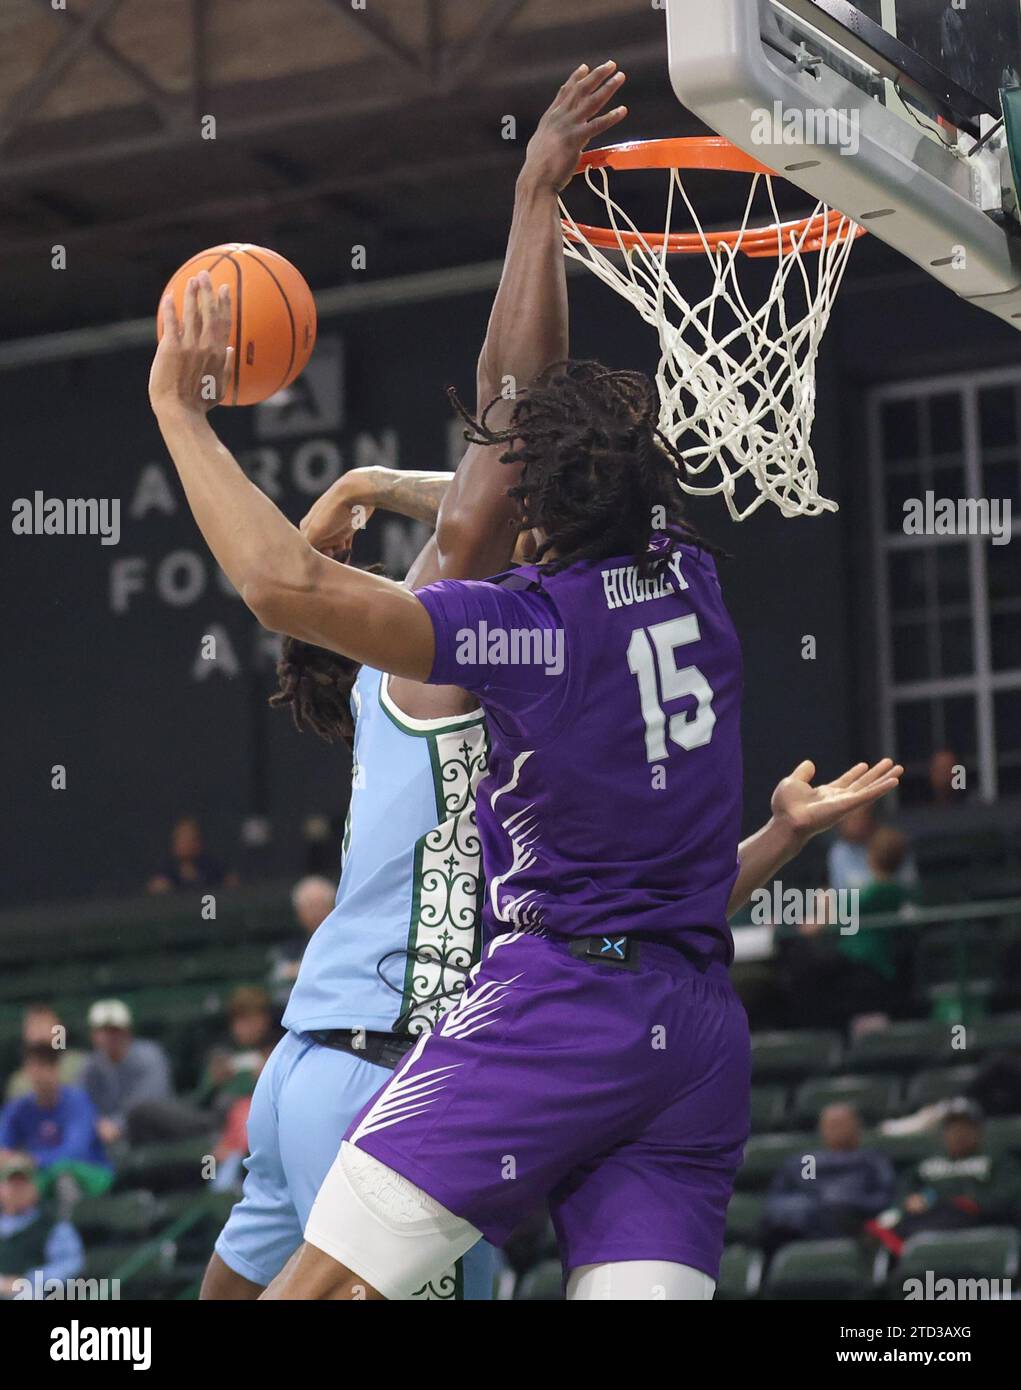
[736, 381]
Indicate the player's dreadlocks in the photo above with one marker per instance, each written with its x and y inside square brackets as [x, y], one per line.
[599, 476]
[316, 685]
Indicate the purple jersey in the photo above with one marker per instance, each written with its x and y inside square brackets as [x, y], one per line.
[613, 800]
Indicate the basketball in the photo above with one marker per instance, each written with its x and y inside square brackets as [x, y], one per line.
[274, 328]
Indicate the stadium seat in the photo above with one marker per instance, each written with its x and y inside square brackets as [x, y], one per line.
[901, 1047]
[740, 1273]
[874, 1097]
[765, 1152]
[173, 1166]
[953, 960]
[794, 1055]
[1003, 1133]
[744, 1218]
[997, 1031]
[769, 1106]
[990, 1252]
[541, 1284]
[903, 1150]
[938, 1083]
[118, 1215]
[820, 1269]
[949, 866]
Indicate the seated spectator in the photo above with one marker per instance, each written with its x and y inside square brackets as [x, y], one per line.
[56, 1125]
[963, 1187]
[35, 1245]
[123, 1071]
[872, 952]
[233, 1069]
[231, 1072]
[313, 899]
[41, 1024]
[847, 859]
[188, 866]
[835, 1196]
[944, 784]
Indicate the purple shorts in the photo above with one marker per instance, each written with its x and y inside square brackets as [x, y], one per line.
[619, 1096]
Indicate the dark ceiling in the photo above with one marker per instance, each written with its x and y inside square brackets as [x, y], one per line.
[334, 127]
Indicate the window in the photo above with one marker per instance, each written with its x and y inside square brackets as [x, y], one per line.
[949, 606]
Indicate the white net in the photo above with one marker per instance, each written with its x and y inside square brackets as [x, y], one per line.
[736, 381]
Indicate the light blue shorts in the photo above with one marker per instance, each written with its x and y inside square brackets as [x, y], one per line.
[305, 1100]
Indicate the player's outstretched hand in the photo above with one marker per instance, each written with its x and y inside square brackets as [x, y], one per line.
[344, 508]
[193, 361]
[577, 116]
[809, 810]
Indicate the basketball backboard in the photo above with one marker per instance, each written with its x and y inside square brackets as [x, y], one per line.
[886, 109]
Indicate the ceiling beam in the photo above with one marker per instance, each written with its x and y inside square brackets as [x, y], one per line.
[164, 103]
[469, 54]
[511, 77]
[376, 29]
[65, 53]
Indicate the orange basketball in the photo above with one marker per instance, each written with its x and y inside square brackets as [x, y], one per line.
[274, 316]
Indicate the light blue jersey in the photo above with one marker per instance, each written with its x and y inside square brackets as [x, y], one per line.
[411, 880]
[409, 903]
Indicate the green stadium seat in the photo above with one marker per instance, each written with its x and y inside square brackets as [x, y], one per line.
[176, 1165]
[938, 1083]
[955, 959]
[740, 1273]
[996, 1032]
[769, 1106]
[791, 1056]
[765, 1152]
[903, 1150]
[109, 1262]
[543, 1283]
[744, 1218]
[820, 1269]
[243, 964]
[954, 868]
[901, 1047]
[116, 1215]
[1003, 1133]
[990, 1252]
[874, 1097]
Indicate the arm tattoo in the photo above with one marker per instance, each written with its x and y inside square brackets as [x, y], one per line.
[412, 494]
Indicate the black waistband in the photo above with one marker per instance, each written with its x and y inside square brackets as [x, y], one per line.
[382, 1049]
[625, 952]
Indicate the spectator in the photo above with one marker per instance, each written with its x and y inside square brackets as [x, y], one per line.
[56, 1124]
[943, 777]
[41, 1024]
[313, 899]
[847, 859]
[34, 1244]
[188, 866]
[123, 1071]
[232, 1070]
[870, 953]
[964, 1186]
[837, 1193]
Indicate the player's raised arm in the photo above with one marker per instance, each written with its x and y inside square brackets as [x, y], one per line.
[287, 584]
[528, 330]
[800, 812]
[528, 325]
